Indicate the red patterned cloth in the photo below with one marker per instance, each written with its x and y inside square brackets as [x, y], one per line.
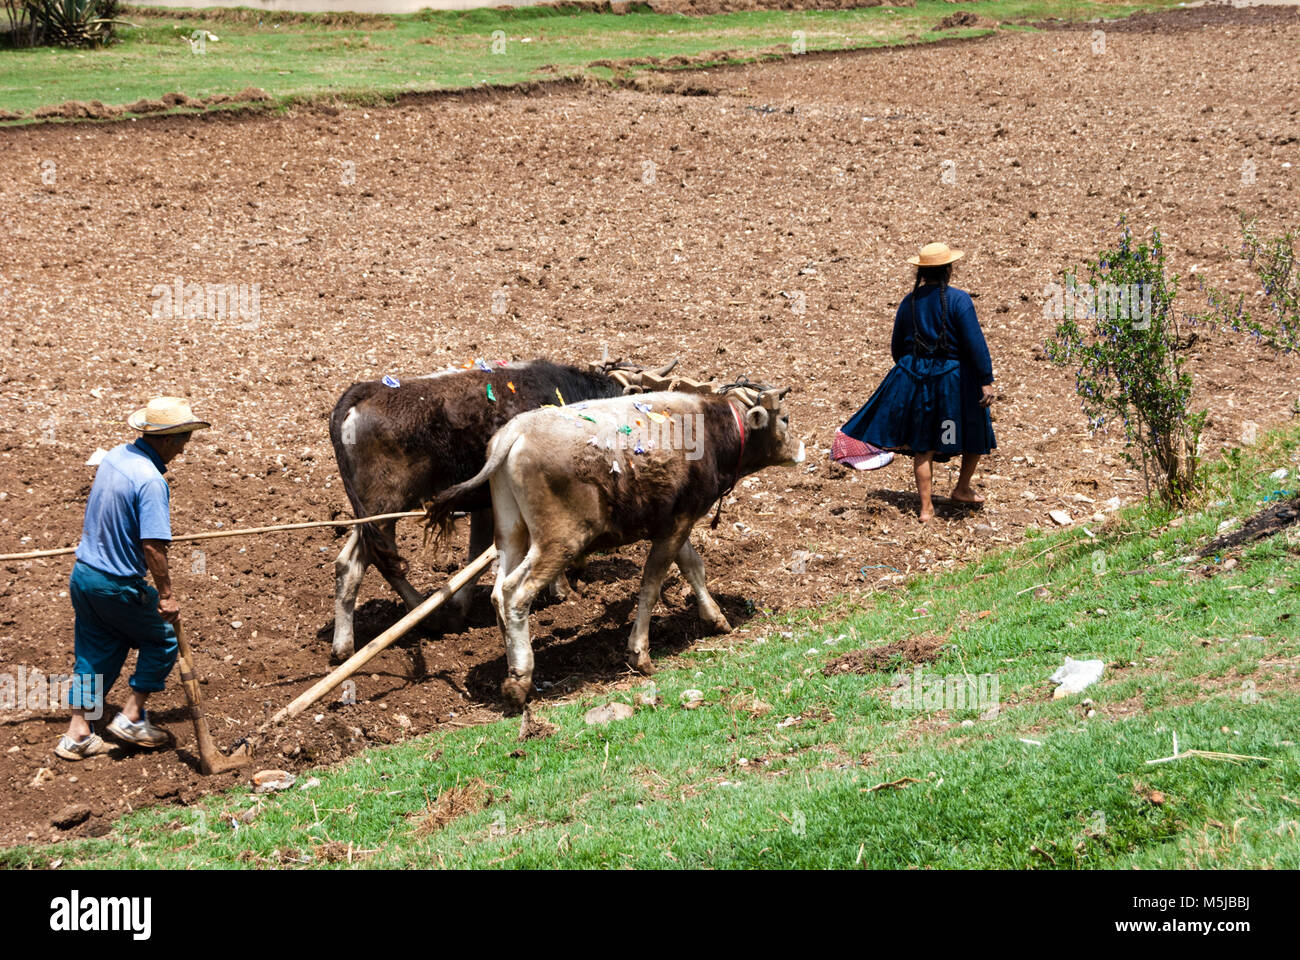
[858, 455]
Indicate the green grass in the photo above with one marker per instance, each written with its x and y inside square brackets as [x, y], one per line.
[1213, 660]
[295, 61]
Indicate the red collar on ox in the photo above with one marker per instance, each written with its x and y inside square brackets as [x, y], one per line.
[740, 426]
[740, 457]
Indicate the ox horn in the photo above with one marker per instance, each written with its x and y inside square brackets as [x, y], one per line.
[664, 371]
[631, 382]
[770, 399]
[756, 418]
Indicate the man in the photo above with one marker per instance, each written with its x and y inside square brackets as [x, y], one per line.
[126, 533]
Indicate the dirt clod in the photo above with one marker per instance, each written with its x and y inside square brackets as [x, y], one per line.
[924, 648]
[334, 851]
[70, 816]
[251, 95]
[533, 727]
[175, 99]
[964, 18]
[145, 106]
[452, 803]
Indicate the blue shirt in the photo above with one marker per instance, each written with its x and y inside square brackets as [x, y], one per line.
[965, 338]
[129, 502]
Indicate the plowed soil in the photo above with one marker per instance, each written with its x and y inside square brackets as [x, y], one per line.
[758, 228]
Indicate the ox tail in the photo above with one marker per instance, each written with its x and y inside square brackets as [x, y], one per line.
[438, 512]
[381, 552]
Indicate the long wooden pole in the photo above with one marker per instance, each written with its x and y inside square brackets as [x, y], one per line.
[242, 532]
[384, 640]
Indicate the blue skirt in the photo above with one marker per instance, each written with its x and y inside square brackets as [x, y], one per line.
[924, 404]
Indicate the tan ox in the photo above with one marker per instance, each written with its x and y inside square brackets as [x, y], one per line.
[592, 476]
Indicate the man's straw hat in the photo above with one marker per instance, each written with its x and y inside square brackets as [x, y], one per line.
[936, 255]
[165, 415]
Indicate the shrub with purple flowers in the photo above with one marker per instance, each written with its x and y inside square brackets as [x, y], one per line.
[1273, 261]
[1128, 369]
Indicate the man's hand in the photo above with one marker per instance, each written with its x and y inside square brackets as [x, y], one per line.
[987, 399]
[169, 609]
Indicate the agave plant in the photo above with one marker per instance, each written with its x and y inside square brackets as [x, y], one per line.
[70, 23]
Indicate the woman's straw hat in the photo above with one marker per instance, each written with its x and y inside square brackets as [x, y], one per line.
[165, 415]
[936, 255]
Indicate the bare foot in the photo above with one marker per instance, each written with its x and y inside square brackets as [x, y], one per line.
[966, 495]
[927, 514]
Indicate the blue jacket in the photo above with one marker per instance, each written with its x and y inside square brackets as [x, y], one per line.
[965, 340]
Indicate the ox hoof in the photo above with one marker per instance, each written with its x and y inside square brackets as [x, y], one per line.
[562, 588]
[640, 662]
[339, 653]
[515, 692]
[720, 624]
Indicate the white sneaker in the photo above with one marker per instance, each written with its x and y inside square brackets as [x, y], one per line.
[141, 734]
[69, 749]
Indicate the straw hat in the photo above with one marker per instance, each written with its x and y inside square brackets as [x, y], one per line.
[165, 415]
[936, 255]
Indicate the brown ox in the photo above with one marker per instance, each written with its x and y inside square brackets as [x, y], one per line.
[598, 475]
[399, 446]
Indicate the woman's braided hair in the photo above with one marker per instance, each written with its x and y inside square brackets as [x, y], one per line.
[940, 275]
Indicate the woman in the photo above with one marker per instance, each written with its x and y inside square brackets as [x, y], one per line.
[934, 403]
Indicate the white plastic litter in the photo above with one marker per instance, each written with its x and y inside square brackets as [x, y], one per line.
[1279, 474]
[1075, 675]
